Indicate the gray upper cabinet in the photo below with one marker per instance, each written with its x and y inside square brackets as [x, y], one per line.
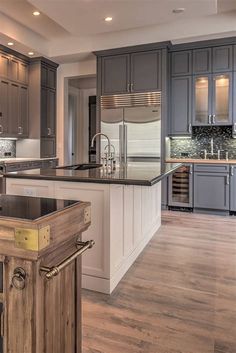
[181, 105]
[222, 58]
[135, 72]
[181, 63]
[48, 76]
[145, 71]
[211, 189]
[234, 104]
[23, 123]
[115, 74]
[4, 106]
[202, 61]
[233, 188]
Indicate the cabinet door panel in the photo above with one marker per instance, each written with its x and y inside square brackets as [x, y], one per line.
[115, 74]
[181, 63]
[202, 99]
[4, 65]
[233, 188]
[4, 106]
[51, 78]
[14, 69]
[14, 109]
[211, 191]
[222, 58]
[202, 61]
[23, 120]
[23, 73]
[181, 105]
[145, 71]
[222, 99]
[51, 120]
[48, 147]
[44, 112]
[44, 76]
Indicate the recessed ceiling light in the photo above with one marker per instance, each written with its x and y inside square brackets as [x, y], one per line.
[36, 13]
[31, 53]
[108, 19]
[10, 43]
[179, 10]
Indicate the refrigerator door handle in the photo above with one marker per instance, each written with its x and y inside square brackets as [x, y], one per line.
[121, 149]
[125, 144]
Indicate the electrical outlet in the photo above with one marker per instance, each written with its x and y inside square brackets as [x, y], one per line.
[29, 192]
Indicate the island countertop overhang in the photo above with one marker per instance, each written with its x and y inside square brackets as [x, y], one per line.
[145, 174]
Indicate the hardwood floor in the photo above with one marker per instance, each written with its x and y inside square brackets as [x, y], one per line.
[178, 297]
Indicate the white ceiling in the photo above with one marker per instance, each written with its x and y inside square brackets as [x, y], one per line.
[71, 29]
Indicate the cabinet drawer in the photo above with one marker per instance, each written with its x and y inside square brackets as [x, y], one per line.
[213, 168]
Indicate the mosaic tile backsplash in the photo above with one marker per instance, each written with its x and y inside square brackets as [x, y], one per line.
[7, 146]
[201, 137]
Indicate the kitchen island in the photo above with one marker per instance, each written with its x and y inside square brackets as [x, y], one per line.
[126, 211]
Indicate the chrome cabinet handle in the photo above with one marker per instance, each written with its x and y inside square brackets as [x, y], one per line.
[191, 169]
[131, 87]
[209, 119]
[231, 170]
[20, 130]
[227, 179]
[55, 270]
[213, 119]
[128, 87]
[1, 129]
[190, 128]
[49, 131]
[234, 127]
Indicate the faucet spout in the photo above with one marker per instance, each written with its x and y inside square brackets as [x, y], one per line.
[108, 140]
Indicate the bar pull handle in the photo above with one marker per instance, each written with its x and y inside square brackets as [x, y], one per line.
[125, 144]
[227, 179]
[190, 128]
[49, 131]
[1, 129]
[121, 149]
[213, 119]
[128, 87]
[53, 271]
[209, 119]
[231, 170]
[131, 87]
[190, 169]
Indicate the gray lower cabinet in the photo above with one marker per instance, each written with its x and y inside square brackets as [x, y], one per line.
[233, 188]
[181, 106]
[211, 188]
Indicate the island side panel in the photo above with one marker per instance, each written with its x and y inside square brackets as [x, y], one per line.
[124, 219]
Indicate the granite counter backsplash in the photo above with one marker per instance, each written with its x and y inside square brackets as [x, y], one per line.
[7, 148]
[201, 136]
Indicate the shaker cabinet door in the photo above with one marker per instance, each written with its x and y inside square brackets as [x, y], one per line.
[181, 105]
[4, 107]
[222, 58]
[23, 125]
[51, 112]
[145, 71]
[115, 74]
[202, 61]
[181, 63]
[233, 188]
[211, 190]
[14, 112]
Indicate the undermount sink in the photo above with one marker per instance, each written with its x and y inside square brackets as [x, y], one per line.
[83, 166]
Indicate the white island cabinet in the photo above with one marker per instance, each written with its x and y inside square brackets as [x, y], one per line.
[124, 218]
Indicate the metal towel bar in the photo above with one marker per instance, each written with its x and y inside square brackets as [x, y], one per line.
[55, 270]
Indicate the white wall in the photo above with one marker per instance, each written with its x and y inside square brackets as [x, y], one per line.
[66, 71]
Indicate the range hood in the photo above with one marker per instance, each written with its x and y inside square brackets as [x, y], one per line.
[144, 99]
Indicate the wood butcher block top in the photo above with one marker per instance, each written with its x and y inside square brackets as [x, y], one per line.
[32, 226]
[201, 161]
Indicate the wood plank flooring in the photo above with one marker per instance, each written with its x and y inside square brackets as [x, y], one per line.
[178, 297]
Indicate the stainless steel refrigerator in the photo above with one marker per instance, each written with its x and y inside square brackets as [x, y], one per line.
[134, 130]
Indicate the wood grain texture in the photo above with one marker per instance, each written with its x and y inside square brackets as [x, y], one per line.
[178, 297]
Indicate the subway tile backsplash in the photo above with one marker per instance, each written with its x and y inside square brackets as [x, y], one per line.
[222, 137]
[7, 146]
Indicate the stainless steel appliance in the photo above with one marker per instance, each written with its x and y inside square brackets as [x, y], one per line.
[133, 124]
[180, 186]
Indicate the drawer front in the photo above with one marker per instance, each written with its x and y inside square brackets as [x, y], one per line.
[211, 168]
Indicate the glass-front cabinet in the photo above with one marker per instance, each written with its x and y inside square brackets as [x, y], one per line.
[212, 99]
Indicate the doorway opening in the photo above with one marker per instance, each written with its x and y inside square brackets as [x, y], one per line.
[82, 120]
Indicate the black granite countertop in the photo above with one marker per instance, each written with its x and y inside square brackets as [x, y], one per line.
[30, 208]
[133, 174]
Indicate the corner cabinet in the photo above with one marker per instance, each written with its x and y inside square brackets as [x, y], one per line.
[212, 99]
[131, 72]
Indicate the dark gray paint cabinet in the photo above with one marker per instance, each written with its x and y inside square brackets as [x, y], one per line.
[135, 72]
[181, 105]
[181, 63]
[211, 187]
[233, 188]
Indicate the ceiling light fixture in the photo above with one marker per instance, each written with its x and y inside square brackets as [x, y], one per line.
[179, 10]
[10, 43]
[36, 13]
[108, 19]
[31, 53]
